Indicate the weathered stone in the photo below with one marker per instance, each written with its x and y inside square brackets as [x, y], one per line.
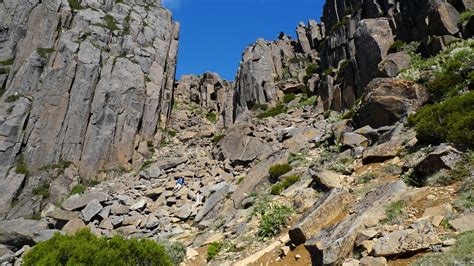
[9, 187]
[19, 232]
[389, 100]
[211, 202]
[421, 236]
[73, 226]
[240, 148]
[394, 64]
[184, 211]
[91, 210]
[79, 201]
[62, 215]
[45, 235]
[353, 140]
[325, 178]
[464, 222]
[139, 205]
[323, 212]
[441, 210]
[332, 244]
[443, 157]
[371, 261]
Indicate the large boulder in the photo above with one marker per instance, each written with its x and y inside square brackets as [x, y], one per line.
[9, 187]
[323, 212]
[394, 63]
[420, 236]
[372, 42]
[19, 232]
[389, 100]
[333, 244]
[77, 201]
[240, 148]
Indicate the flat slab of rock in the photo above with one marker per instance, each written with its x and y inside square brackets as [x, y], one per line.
[62, 215]
[77, 201]
[464, 222]
[73, 226]
[211, 202]
[325, 178]
[421, 236]
[45, 235]
[20, 232]
[91, 210]
[323, 212]
[334, 243]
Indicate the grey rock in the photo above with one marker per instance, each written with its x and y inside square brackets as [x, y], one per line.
[463, 223]
[323, 212]
[371, 261]
[19, 232]
[211, 202]
[325, 178]
[139, 205]
[353, 140]
[389, 100]
[92, 209]
[79, 201]
[421, 236]
[394, 63]
[45, 235]
[334, 243]
[184, 211]
[73, 226]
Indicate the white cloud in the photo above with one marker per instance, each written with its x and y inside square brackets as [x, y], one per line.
[171, 4]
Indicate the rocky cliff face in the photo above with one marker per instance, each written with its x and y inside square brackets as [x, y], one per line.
[83, 81]
[211, 92]
[350, 48]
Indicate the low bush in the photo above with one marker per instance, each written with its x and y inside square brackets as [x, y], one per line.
[213, 250]
[212, 117]
[451, 120]
[279, 109]
[21, 167]
[12, 98]
[217, 138]
[75, 4]
[460, 254]
[42, 190]
[366, 177]
[466, 16]
[275, 218]
[396, 46]
[278, 170]
[78, 189]
[394, 211]
[175, 250]
[84, 248]
[281, 186]
[44, 52]
[289, 97]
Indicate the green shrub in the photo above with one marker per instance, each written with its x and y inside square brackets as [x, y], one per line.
[279, 109]
[289, 97]
[84, 248]
[274, 220]
[394, 211]
[60, 165]
[7, 62]
[366, 177]
[213, 249]
[262, 107]
[329, 71]
[465, 200]
[311, 69]
[296, 60]
[391, 169]
[281, 186]
[343, 22]
[278, 170]
[396, 46]
[217, 138]
[78, 189]
[21, 167]
[446, 74]
[311, 101]
[261, 205]
[42, 190]
[212, 117]
[44, 52]
[277, 189]
[4, 71]
[460, 254]
[75, 4]
[451, 120]
[466, 16]
[109, 23]
[240, 180]
[175, 250]
[12, 98]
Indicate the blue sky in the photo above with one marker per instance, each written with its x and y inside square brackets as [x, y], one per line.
[215, 32]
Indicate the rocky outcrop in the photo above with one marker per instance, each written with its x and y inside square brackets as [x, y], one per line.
[87, 84]
[389, 100]
[211, 92]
